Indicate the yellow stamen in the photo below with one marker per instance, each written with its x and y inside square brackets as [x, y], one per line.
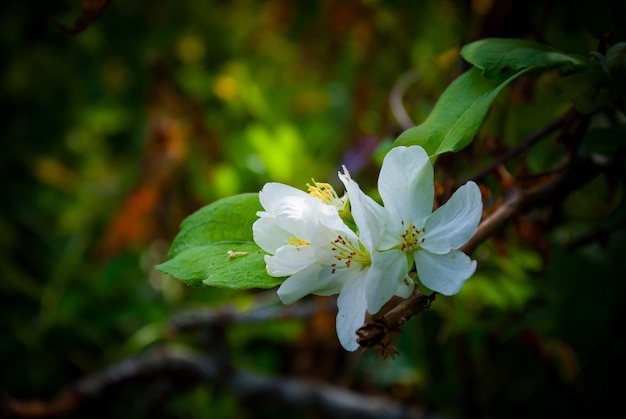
[346, 253]
[411, 238]
[325, 193]
[297, 242]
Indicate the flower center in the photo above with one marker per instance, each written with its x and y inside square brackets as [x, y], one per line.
[411, 238]
[346, 253]
[325, 193]
[295, 242]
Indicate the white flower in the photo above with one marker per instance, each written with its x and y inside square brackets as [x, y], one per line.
[406, 231]
[285, 228]
[310, 243]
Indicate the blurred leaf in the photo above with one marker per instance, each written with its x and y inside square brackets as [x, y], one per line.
[588, 89]
[604, 140]
[227, 219]
[212, 265]
[617, 218]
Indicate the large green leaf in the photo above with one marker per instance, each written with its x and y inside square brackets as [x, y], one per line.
[457, 115]
[461, 109]
[499, 58]
[227, 219]
[215, 247]
[212, 265]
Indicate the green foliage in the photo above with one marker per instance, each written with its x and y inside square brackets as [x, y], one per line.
[500, 58]
[607, 140]
[215, 247]
[228, 219]
[457, 115]
[213, 265]
[462, 107]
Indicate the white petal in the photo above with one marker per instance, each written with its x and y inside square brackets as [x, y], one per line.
[296, 214]
[268, 235]
[289, 259]
[323, 241]
[444, 273]
[385, 276]
[405, 184]
[274, 192]
[314, 279]
[329, 217]
[369, 216]
[294, 210]
[406, 288]
[352, 307]
[454, 223]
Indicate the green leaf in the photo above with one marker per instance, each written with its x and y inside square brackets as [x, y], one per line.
[211, 265]
[227, 219]
[215, 247]
[457, 115]
[461, 109]
[587, 89]
[499, 58]
[584, 80]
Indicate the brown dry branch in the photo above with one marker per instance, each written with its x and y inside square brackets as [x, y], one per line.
[525, 144]
[90, 12]
[373, 333]
[192, 368]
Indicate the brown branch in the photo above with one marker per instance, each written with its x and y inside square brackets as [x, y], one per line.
[372, 333]
[556, 189]
[90, 12]
[525, 144]
[191, 368]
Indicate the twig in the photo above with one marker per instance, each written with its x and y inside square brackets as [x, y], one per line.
[524, 145]
[563, 182]
[396, 98]
[372, 333]
[192, 368]
[91, 10]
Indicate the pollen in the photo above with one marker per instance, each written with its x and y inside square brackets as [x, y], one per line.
[325, 193]
[295, 242]
[411, 240]
[348, 254]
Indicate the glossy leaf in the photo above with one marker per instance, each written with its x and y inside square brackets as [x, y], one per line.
[461, 109]
[214, 265]
[499, 58]
[227, 219]
[457, 115]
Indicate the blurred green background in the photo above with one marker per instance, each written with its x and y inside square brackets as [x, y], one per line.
[113, 135]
